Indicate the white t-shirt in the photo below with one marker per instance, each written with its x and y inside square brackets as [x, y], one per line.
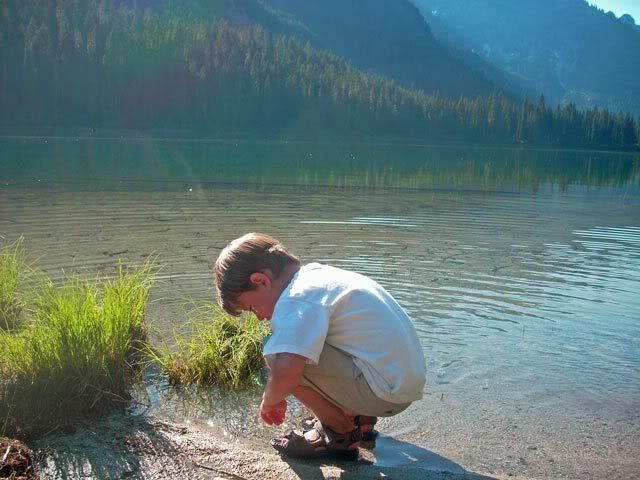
[355, 314]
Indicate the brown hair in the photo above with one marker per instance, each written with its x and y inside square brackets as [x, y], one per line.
[243, 256]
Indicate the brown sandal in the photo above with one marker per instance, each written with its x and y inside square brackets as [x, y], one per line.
[324, 443]
[308, 423]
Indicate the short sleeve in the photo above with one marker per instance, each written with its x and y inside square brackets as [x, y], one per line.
[298, 327]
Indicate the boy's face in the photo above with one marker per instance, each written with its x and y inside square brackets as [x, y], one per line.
[262, 299]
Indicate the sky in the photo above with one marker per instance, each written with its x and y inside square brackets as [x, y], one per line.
[620, 7]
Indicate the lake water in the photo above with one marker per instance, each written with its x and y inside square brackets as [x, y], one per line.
[520, 268]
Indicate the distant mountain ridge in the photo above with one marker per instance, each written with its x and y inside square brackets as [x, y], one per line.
[567, 49]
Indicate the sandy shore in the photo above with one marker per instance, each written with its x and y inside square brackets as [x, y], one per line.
[150, 447]
[143, 448]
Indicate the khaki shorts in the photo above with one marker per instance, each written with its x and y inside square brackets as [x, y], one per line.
[338, 380]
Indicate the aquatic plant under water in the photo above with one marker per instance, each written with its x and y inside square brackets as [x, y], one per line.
[223, 350]
[76, 356]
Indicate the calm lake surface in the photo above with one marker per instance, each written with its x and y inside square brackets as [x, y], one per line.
[520, 268]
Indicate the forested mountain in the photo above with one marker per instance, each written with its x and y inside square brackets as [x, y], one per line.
[567, 49]
[151, 65]
[384, 37]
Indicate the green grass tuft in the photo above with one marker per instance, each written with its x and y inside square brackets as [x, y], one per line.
[77, 354]
[223, 350]
[13, 269]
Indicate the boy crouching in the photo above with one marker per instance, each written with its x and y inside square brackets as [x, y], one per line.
[340, 344]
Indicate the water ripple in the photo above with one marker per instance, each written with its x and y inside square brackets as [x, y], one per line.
[509, 283]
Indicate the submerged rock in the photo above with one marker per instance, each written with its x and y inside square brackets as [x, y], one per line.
[15, 460]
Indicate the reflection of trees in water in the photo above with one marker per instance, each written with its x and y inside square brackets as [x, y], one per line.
[491, 169]
[314, 165]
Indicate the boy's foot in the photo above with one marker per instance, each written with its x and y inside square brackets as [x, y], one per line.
[365, 422]
[319, 441]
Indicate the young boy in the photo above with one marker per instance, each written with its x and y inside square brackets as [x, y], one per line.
[340, 344]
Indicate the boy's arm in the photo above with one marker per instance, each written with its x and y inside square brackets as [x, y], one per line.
[285, 372]
[284, 376]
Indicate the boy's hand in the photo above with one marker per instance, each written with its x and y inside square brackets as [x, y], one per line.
[284, 377]
[273, 414]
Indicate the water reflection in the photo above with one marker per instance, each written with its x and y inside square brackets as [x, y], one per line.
[309, 165]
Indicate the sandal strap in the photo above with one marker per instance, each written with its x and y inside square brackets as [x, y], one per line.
[298, 445]
[312, 423]
[343, 440]
[325, 442]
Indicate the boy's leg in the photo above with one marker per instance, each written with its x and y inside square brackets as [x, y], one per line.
[331, 417]
[338, 381]
[329, 414]
[335, 390]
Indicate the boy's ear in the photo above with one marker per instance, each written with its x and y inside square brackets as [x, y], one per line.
[261, 278]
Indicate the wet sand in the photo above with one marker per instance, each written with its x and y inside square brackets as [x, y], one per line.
[129, 447]
[149, 447]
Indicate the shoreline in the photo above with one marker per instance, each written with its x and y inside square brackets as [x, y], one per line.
[148, 448]
[153, 446]
[425, 443]
[408, 143]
